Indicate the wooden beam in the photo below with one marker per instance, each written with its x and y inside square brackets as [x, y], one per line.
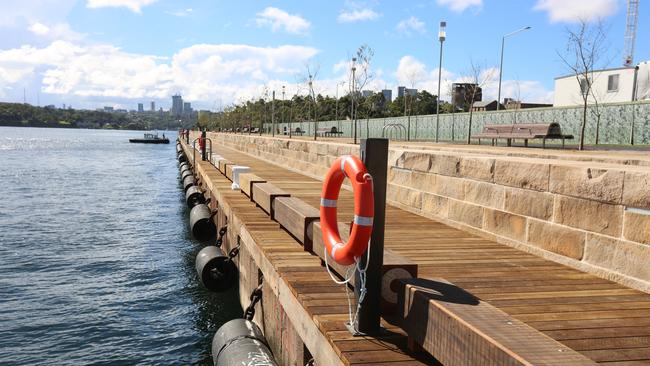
[395, 268]
[459, 329]
[295, 216]
[222, 165]
[246, 181]
[264, 193]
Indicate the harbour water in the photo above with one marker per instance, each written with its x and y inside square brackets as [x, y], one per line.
[96, 261]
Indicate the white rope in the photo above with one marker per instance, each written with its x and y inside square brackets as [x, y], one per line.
[348, 278]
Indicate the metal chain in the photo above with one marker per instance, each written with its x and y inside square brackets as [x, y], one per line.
[233, 252]
[222, 232]
[255, 297]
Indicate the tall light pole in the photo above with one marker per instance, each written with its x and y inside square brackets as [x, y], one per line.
[282, 111]
[442, 35]
[337, 104]
[503, 42]
[273, 113]
[353, 116]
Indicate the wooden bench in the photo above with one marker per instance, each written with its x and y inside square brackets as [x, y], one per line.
[523, 131]
[298, 131]
[328, 132]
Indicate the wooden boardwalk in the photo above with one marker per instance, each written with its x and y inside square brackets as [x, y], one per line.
[604, 321]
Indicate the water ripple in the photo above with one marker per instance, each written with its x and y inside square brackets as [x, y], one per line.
[96, 263]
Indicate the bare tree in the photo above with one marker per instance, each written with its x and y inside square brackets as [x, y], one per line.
[309, 81]
[360, 75]
[450, 91]
[413, 78]
[518, 98]
[585, 47]
[479, 75]
[598, 97]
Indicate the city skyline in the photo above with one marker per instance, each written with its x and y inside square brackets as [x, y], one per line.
[73, 52]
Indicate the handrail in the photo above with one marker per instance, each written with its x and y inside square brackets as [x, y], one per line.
[194, 150]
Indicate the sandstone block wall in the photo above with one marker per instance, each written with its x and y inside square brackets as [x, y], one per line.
[591, 215]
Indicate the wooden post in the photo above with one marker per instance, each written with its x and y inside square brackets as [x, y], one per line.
[203, 145]
[374, 154]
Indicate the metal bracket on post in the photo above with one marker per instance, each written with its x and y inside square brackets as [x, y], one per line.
[374, 154]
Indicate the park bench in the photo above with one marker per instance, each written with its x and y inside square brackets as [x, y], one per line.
[298, 131]
[327, 131]
[523, 131]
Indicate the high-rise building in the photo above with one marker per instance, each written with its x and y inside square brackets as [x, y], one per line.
[366, 93]
[401, 90]
[461, 94]
[187, 108]
[177, 105]
[140, 107]
[388, 95]
[153, 106]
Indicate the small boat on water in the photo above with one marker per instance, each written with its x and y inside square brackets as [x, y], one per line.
[151, 138]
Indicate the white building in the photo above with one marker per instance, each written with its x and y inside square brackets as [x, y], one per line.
[608, 86]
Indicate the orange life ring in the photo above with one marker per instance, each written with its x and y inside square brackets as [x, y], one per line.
[364, 209]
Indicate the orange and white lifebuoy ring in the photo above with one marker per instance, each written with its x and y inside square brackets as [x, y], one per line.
[351, 167]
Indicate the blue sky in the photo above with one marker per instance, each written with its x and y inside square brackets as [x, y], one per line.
[90, 53]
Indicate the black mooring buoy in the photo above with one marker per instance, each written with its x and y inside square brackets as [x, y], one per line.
[216, 272]
[188, 182]
[201, 223]
[194, 196]
[241, 342]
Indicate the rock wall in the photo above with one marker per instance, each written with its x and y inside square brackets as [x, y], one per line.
[590, 215]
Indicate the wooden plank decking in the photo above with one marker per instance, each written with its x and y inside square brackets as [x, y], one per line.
[604, 321]
[303, 275]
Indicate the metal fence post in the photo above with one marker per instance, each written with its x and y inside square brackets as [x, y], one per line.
[374, 154]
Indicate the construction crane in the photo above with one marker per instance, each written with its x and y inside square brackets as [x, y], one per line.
[630, 31]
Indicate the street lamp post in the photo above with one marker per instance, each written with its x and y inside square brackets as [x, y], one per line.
[337, 104]
[352, 114]
[273, 114]
[442, 34]
[503, 42]
[282, 111]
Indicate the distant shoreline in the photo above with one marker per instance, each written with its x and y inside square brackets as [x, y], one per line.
[25, 115]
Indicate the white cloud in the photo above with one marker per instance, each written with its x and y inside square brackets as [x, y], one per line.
[461, 5]
[575, 10]
[357, 15]
[279, 19]
[411, 72]
[181, 12]
[133, 5]
[203, 72]
[29, 12]
[410, 25]
[58, 31]
[39, 29]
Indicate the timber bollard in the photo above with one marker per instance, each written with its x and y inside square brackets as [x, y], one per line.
[374, 154]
